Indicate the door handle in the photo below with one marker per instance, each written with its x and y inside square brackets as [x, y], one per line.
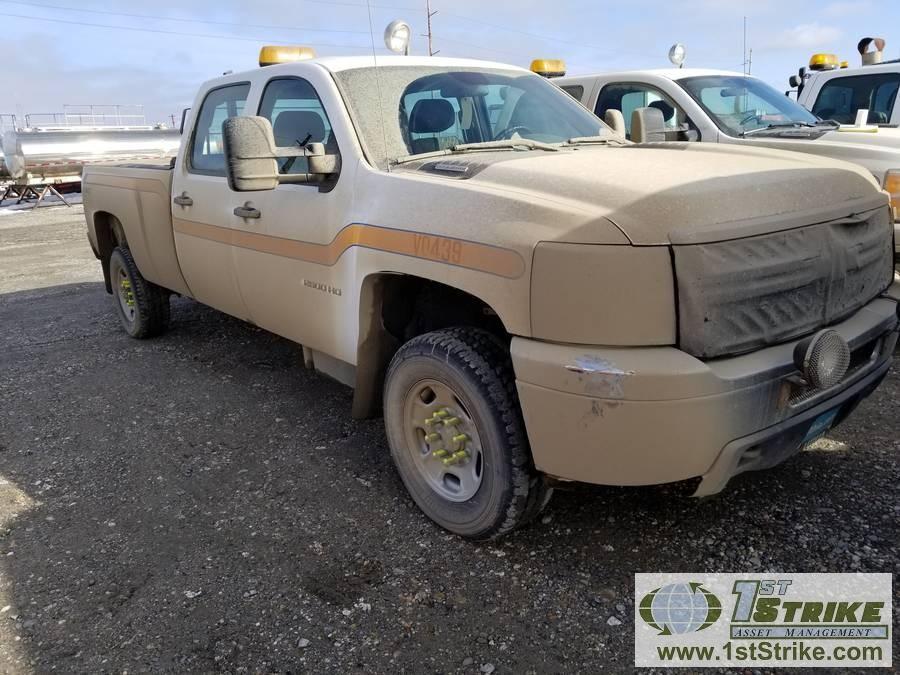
[183, 200]
[246, 211]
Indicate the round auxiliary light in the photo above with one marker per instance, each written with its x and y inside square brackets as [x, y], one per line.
[397, 36]
[823, 358]
[677, 54]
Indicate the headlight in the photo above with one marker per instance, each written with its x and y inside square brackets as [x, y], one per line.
[596, 294]
[892, 185]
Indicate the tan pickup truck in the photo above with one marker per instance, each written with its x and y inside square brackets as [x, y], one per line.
[526, 296]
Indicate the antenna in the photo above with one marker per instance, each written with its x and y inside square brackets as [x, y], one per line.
[377, 78]
[429, 34]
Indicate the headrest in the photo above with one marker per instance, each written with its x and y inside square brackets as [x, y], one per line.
[616, 121]
[665, 108]
[431, 116]
[293, 126]
[647, 125]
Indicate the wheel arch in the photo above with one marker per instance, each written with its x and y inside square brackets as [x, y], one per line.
[394, 308]
[108, 233]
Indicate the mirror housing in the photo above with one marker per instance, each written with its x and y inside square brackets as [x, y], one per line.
[251, 157]
[795, 81]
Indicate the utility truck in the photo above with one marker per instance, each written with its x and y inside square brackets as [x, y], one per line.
[718, 106]
[525, 296]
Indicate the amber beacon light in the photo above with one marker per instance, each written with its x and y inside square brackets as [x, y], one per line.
[272, 55]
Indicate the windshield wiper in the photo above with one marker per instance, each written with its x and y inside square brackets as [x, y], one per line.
[506, 144]
[778, 125]
[595, 140]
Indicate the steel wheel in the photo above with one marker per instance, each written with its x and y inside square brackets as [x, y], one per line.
[442, 440]
[125, 294]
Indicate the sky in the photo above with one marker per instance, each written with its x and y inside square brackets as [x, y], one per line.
[155, 53]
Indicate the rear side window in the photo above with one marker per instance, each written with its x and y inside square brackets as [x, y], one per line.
[298, 118]
[841, 97]
[207, 155]
[576, 91]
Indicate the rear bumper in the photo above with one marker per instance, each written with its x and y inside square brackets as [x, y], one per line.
[644, 416]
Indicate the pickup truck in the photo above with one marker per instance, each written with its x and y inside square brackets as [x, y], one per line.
[525, 296]
[720, 106]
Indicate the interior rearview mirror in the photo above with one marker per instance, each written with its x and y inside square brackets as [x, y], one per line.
[251, 157]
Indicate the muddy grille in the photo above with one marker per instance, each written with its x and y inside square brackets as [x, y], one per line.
[737, 296]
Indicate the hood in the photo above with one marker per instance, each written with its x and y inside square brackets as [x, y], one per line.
[875, 151]
[676, 192]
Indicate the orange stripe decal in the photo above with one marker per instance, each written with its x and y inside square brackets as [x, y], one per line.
[482, 257]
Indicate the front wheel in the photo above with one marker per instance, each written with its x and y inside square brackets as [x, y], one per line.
[456, 433]
[142, 306]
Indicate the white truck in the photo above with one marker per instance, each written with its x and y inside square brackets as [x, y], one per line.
[526, 296]
[716, 106]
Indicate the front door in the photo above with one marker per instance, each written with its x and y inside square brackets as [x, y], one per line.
[289, 266]
[201, 211]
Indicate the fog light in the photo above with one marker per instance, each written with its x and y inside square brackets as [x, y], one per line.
[823, 358]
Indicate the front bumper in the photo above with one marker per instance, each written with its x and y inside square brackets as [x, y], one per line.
[644, 416]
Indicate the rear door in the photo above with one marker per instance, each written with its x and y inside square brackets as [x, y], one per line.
[202, 215]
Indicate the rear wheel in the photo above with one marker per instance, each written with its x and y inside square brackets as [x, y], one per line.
[457, 436]
[142, 306]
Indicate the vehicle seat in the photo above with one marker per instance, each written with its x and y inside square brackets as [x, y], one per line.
[616, 121]
[648, 125]
[430, 116]
[667, 110]
[292, 127]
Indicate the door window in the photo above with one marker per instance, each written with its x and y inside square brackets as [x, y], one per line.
[841, 97]
[629, 97]
[207, 155]
[298, 118]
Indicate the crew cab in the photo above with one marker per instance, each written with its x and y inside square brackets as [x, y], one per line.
[716, 106]
[527, 297]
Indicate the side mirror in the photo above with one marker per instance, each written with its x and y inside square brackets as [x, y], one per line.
[251, 157]
[795, 81]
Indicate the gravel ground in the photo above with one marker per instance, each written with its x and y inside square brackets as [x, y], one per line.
[201, 502]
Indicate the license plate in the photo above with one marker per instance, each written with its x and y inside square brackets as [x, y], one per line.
[820, 427]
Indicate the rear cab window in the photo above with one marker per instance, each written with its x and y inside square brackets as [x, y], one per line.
[841, 97]
[207, 154]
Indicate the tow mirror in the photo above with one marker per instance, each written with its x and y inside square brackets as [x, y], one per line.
[795, 81]
[251, 157]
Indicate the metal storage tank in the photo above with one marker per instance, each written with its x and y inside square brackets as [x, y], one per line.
[58, 155]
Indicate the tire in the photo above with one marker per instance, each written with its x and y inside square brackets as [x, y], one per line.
[456, 383]
[142, 306]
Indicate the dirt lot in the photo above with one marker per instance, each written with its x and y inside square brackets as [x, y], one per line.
[201, 502]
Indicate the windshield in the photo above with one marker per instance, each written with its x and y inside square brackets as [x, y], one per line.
[426, 109]
[741, 104]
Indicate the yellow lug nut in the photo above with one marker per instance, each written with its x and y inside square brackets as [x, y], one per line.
[441, 413]
[460, 438]
[460, 454]
[450, 421]
[449, 461]
[432, 437]
[439, 453]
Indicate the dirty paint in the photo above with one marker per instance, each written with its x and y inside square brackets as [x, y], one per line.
[600, 377]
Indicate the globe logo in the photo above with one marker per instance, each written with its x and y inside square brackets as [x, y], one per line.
[676, 609]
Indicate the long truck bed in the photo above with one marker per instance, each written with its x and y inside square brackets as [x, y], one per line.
[139, 197]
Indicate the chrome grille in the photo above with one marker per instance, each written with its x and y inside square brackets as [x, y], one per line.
[741, 295]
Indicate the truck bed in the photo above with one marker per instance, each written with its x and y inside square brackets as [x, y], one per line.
[139, 196]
